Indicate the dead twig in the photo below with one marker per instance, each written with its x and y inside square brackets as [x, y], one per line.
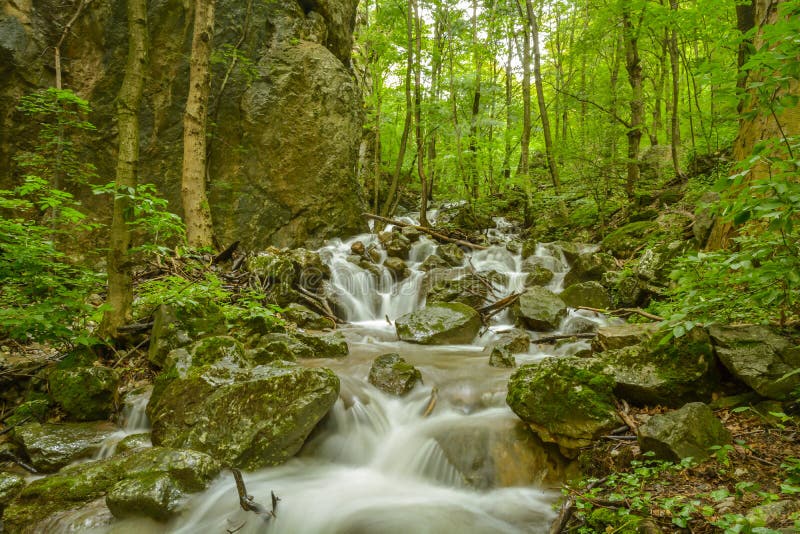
[432, 402]
[623, 412]
[246, 501]
[12, 427]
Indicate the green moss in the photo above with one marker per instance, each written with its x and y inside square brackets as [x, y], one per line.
[86, 393]
[620, 521]
[623, 241]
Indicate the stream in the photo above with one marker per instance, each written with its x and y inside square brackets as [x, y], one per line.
[377, 464]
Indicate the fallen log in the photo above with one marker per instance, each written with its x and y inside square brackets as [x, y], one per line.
[246, 501]
[623, 312]
[433, 234]
[499, 305]
[551, 339]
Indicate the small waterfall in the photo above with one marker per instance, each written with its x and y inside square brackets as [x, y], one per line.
[133, 420]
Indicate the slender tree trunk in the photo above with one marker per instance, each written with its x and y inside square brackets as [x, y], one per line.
[120, 285]
[476, 106]
[436, 92]
[525, 138]
[196, 210]
[537, 76]
[658, 87]
[675, 137]
[633, 66]
[509, 125]
[423, 196]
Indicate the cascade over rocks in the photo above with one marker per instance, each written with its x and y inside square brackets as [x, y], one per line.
[285, 185]
[439, 323]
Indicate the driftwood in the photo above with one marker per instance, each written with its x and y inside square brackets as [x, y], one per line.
[623, 312]
[433, 234]
[13, 458]
[431, 403]
[246, 501]
[499, 306]
[551, 339]
[135, 328]
[319, 303]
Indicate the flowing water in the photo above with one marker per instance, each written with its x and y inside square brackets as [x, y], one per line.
[378, 464]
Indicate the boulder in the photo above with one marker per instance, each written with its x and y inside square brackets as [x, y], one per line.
[10, 486]
[49, 447]
[247, 418]
[79, 484]
[325, 345]
[577, 324]
[568, 401]
[687, 432]
[538, 273]
[411, 233]
[306, 318]
[85, 393]
[177, 326]
[570, 251]
[589, 267]
[440, 323]
[515, 341]
[397, 267]
[655, 263]
[273, 267]
[625, 240]
[589, 294]
[397, 245]
[33, 410]
[134, 441]
[539, 309]
[153, 495]
[433, 262]
[451, 254]
[614, 337]
[358, 248]
[759, 357]
[208, 351]
[470, 289]
[286, 347]
[392, 374]
[501, 357]
[682, 371]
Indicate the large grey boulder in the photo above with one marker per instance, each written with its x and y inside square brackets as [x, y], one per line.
[177, 326]
[440, 323]
[589, 294]
[539, 309]
[568, 401]
[687, 432]
[247, 418]
[614, 337]
[590, 266]
[49, 447]
[392, 374]
[759, 357]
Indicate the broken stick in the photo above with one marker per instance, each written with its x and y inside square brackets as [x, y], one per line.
[246, 501]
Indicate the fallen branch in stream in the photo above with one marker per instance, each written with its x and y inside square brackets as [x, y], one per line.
[552, 339]
[433, 234]
[246, 501]
[623, 312]
[496, 307]
[432, 402]
[320, 304]
[13, 458]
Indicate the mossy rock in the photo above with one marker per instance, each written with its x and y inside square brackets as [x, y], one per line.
[326, 345]
[624, 241]
[501, 357]
[273, 266]
[568, 401]
[134, 441]
[452, 254]
[538, 273]
[49, 446]
[439, 323]
[539, 309]
[306, 318]
[29, 411]
[589, 267]
[154, 495]
[688, 432]
[589, 294]
[515, 340]
[176, 326]
[469, 289]
[85, 393]
[11, 485]
[247, 418]
[392, 374]
[207, 351]
[614, 337]
[433, 262]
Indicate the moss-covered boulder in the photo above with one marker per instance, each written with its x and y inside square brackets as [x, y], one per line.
[134, 441]
[590, 294]
[538, 272]
[589, 267]
[759, 357]
[49, 447]
[85, 393]
[79, 484]
[687, 432]
[501, 357]
[32, 410]
[682, 371]
[433, 262]
[439, 323]
[539, 309]
[515, 340]
[207, 351]
[625, 240]
[326, 345]
[614, 337]
[248, 418]
[655, 263]
[396, 244]
[568, 401]
[452, 254]
[306, 318]
[176, 326]
[392, 374]
[470, 289]
[11, 485]
[397, 267]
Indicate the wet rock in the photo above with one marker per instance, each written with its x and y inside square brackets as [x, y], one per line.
[284, 347]
[589, 267]
[687, 432]
[772, 514]
[153, 495]
[30, 411]
[49, 447]
[306, 318]
[571, 251]
[682, 371]
[411, 233]
[326, 345]
[578, 324]
[759, 357]
[358, 248]
[539, 309]
[470, 289]
[440, 323]
[248, 418]
[85, 393]
[392, 374]
[452, 254]
[397, 267]
[77, 485]
[397, 245]
[433, 262]
[624, 241]
[178, 326]
[614, 337]
[207, 351]
[501, 357]
[10, 486]
[515, 341]
[538, 274]
[567, 401]
[589, 294]
[134, 441]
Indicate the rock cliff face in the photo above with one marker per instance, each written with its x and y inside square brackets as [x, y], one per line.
[285, 112]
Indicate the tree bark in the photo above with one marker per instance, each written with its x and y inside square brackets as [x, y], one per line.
[196, 210]
[423, 196]
[675, 125]
[474, 180]
[120, 284]
[633, 66]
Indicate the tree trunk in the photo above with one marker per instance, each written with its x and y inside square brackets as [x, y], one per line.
[525, 138]
[633, 66]
[507, 133]
[675, 125]
[423, 195]
[120, 285]
[196, 210]
[476, 106]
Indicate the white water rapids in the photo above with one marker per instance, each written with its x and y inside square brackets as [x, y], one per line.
[377, 464]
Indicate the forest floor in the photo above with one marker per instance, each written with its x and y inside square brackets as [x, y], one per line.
[761, 466]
